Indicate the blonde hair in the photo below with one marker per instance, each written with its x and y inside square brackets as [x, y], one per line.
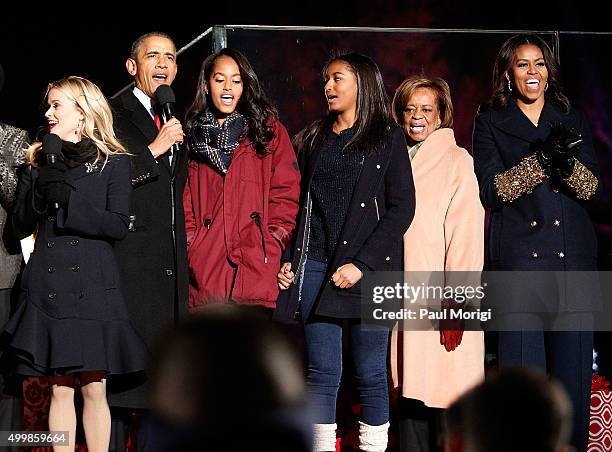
[98, 118]
[414, 82]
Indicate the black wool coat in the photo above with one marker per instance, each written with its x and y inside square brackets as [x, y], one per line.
[548, 229]
[548, 221]
[381, 210]
[147, 256]
[73, 314]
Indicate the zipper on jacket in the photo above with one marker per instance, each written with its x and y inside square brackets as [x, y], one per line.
[255, 216]
[306, 237]
[301, 267]
[376, 205]
[207, 223]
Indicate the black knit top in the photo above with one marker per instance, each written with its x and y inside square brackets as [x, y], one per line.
[331, 191]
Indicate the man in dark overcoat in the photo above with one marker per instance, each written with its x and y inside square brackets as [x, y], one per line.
[152, 259]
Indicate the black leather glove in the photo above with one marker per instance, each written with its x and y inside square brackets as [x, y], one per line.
[557, 154]
[565, 157]
[51, 184]
[58, 192]
[544, 153]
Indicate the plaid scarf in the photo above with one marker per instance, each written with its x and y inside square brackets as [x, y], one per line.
[216, 143]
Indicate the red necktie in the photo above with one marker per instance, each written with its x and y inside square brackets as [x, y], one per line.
[157, 121]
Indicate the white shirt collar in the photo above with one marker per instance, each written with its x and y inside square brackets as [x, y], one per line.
[144, 99]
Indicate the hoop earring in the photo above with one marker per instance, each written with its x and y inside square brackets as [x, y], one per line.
[546, 87]
[509, 86]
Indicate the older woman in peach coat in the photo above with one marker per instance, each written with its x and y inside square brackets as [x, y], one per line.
[433, 367]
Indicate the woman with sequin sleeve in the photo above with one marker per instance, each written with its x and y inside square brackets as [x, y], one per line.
[536, 169]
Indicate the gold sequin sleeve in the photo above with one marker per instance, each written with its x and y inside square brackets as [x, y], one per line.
[582, 182]
[519, 180]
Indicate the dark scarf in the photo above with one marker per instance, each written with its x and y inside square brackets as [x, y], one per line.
[76, 154]
[216, 143]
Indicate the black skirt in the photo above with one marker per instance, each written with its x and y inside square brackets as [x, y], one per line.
[44, 345]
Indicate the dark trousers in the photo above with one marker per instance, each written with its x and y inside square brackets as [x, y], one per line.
[11, 405]
[565, 355]
[126, 422]
[418, 426]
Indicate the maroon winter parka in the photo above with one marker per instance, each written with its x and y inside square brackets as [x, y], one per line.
[237, 225]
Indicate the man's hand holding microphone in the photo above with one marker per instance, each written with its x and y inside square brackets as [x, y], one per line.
[171, 131]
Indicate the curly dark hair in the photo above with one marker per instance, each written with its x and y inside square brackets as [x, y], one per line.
[501, 94]
[253, 103]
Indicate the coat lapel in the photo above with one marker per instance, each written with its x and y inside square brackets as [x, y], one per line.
[311, 165]
[139, 116]
[550, 114]
[81, 171]
[513, 121]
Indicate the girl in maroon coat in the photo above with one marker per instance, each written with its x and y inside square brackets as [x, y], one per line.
[242, 192]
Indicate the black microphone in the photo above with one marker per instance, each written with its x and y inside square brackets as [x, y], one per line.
[52, 147]
[165, 99]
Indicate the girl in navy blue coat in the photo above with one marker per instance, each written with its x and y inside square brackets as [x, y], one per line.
[71, 324]
[358, 200]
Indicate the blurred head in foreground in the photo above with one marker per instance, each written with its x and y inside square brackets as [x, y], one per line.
[517, 409]
[227, 379]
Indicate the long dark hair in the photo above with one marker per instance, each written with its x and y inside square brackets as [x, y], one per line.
[501, 94]
[253, 103]
[373, 115]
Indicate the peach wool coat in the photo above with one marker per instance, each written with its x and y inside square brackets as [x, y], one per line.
[447, 234]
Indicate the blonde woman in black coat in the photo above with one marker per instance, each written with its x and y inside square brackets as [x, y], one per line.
[71, 324]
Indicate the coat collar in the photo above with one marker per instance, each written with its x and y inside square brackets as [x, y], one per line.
[373, 166]
[514, 122]
[86, 169]
[138, 115]
[439, 141]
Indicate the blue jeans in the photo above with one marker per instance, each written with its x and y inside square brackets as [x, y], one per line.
[324, 346]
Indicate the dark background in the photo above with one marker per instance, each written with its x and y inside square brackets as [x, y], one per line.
[41, 44]
[93, 41]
